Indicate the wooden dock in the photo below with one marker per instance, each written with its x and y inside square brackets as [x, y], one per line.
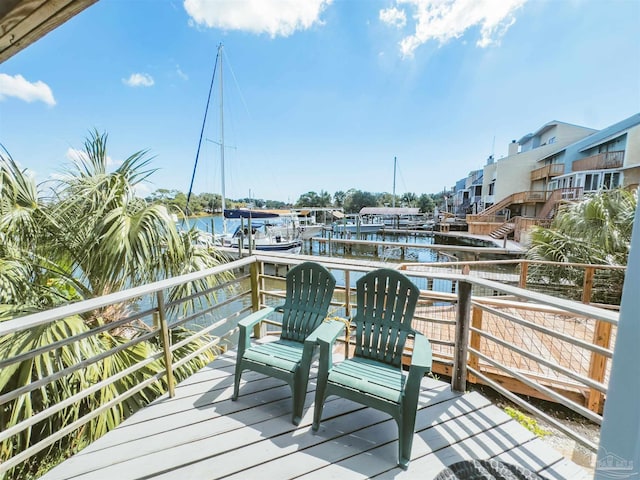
[202, 434]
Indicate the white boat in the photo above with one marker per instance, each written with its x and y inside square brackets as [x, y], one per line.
[309, 226]
[265, 230]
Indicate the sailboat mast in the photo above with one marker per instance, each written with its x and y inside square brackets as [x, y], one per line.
[224, 219]
[393, 202]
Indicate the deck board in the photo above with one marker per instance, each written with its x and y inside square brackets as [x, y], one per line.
[202, 434]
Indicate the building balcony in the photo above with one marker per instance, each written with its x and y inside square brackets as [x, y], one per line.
[601, 161]
[195, 431]
[548, 171]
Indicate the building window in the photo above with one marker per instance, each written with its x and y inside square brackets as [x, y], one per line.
[552, 140]
[492, 186]
[611, 180]
[591, 182]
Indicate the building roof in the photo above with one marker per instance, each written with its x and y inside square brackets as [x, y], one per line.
[389, 211]
[22, 22]
[601, 136]
[611, 132]
[547, 126]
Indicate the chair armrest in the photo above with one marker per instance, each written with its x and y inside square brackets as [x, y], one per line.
[421, 357]
[246, 326]
[326, 335]
[250, 320]
[326, 332]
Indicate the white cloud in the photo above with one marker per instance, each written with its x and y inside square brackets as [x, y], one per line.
[17, 86]
[394, 17]
[181, 74]
[444, 20]
[139, 80]
[274, 17]
[141, 190]
[76, 155]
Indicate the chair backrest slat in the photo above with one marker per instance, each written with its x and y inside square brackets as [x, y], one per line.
[386, 302]
[308, 296]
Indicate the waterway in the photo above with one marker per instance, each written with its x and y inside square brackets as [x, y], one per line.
[214, 224]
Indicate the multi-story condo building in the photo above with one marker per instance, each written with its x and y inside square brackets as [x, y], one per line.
[558, 162]
[511, 174]
[607, 159]
[468, 194]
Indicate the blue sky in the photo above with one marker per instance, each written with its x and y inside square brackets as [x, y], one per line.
[321, 95]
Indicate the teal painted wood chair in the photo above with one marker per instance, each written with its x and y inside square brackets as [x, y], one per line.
[386, 301]
[309, 288]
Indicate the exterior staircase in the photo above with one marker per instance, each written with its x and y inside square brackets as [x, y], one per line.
[495, 208]
[503, 230]
[558, 196]
[549, 208]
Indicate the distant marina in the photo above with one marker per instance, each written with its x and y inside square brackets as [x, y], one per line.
[386, 244]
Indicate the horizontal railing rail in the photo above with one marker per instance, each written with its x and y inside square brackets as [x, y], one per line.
[476, 325]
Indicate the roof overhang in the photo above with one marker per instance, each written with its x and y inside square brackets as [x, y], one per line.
[22, 22]
[606, 139]
[540, 131]
[389, 211]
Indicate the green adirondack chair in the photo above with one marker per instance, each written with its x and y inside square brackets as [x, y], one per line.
[309, 291]
[386, 301]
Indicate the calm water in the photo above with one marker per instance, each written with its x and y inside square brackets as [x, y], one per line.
[214, 224]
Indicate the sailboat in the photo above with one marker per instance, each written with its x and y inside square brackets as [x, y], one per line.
[274, 231]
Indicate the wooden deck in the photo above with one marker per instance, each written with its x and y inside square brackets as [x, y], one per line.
[202, 434]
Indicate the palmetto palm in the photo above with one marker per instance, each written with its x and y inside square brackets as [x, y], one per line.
[86, 235]
[596, 230]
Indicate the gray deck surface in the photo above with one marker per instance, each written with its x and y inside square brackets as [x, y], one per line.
[202, 434]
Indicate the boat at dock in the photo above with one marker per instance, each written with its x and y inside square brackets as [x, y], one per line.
[265, 230]
[308, 218]
[398, 218]
[356, 223]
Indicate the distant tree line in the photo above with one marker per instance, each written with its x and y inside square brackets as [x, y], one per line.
[352, 201]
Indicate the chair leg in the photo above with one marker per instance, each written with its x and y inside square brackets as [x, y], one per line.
[321, 388]
[236, 382]
[299, 394]
[406, 428]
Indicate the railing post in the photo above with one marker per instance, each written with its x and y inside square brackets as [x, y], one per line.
[347, 310]
[166, 344]
[474, 361]
[602, 338]
[258, 329]
[250, 236]
[598, 364]
[587, 285]
[459, 380]
[524, 271]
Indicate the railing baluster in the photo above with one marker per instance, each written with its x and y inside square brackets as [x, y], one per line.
[476, 339]
[347, 309]
[166, 344]
[258, 329]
